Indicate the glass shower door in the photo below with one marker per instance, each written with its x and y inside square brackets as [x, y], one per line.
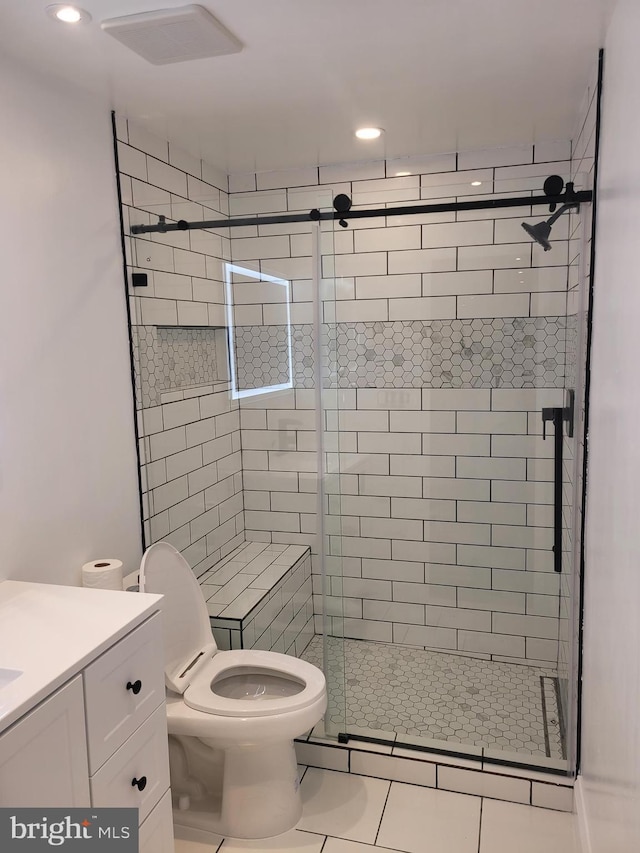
[450, 339]
[330, 481]
[577, 319]
[327, 648]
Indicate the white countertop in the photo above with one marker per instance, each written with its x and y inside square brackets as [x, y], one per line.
[52, 632]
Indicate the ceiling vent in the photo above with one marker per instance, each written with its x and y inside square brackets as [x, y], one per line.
[173, 35]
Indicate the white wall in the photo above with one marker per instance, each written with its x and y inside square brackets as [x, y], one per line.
[611, 723]
[68, 488]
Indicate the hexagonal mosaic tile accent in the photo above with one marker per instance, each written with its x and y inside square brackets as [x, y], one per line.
[261, 356]
[442, 696]
[517, 352]
[168, 359]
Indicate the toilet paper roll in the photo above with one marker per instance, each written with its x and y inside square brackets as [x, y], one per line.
[102, 574]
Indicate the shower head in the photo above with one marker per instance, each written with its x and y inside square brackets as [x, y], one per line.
[540, 233]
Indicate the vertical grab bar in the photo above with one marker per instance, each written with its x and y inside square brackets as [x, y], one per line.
[558, 415]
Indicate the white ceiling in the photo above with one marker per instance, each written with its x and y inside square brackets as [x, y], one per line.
[438, 75]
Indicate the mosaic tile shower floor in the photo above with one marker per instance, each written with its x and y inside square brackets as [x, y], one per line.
[445, 697]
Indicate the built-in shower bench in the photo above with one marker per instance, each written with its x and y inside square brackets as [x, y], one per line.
[259, 597]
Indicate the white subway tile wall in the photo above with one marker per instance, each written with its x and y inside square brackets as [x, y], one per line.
[466, 532]
[189, 427]
[445, 335]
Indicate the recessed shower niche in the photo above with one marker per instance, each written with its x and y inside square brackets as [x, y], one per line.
[176, 359]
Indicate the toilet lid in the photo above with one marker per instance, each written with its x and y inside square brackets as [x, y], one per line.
[188, 641]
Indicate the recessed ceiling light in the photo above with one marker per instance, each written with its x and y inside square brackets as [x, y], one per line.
[368, 132]
[68, 14]
[518, 259]
[402, 174]
[476, 183]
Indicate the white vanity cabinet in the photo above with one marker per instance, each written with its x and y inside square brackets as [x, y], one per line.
[99, 739]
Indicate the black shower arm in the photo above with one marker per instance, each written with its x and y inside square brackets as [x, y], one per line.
[561, 210]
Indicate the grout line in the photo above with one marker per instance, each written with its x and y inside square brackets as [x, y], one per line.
[480, 824]
[386, 800]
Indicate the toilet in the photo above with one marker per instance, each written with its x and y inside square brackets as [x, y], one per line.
[232, 716]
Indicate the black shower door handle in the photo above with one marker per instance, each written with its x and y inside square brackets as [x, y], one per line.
[557, 415]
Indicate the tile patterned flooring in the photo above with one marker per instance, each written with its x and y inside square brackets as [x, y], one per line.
[445, 697]
[346, 813]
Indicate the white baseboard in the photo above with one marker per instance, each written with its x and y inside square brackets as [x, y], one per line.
[581, 811]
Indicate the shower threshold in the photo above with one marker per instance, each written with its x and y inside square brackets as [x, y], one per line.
[414, 697]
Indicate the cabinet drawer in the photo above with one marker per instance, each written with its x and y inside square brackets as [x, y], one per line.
[156, 833]
[114, 710]
[144, 757]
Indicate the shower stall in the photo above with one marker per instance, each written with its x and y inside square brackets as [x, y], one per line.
[442, 590]
[447, 588]
[408, 371]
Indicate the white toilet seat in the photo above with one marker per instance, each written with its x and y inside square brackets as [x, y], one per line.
[200, 695]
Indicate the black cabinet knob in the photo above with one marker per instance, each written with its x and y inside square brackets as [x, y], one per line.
[135, 687]
[140, 783]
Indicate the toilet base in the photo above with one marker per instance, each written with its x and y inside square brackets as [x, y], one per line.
[260, 794]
